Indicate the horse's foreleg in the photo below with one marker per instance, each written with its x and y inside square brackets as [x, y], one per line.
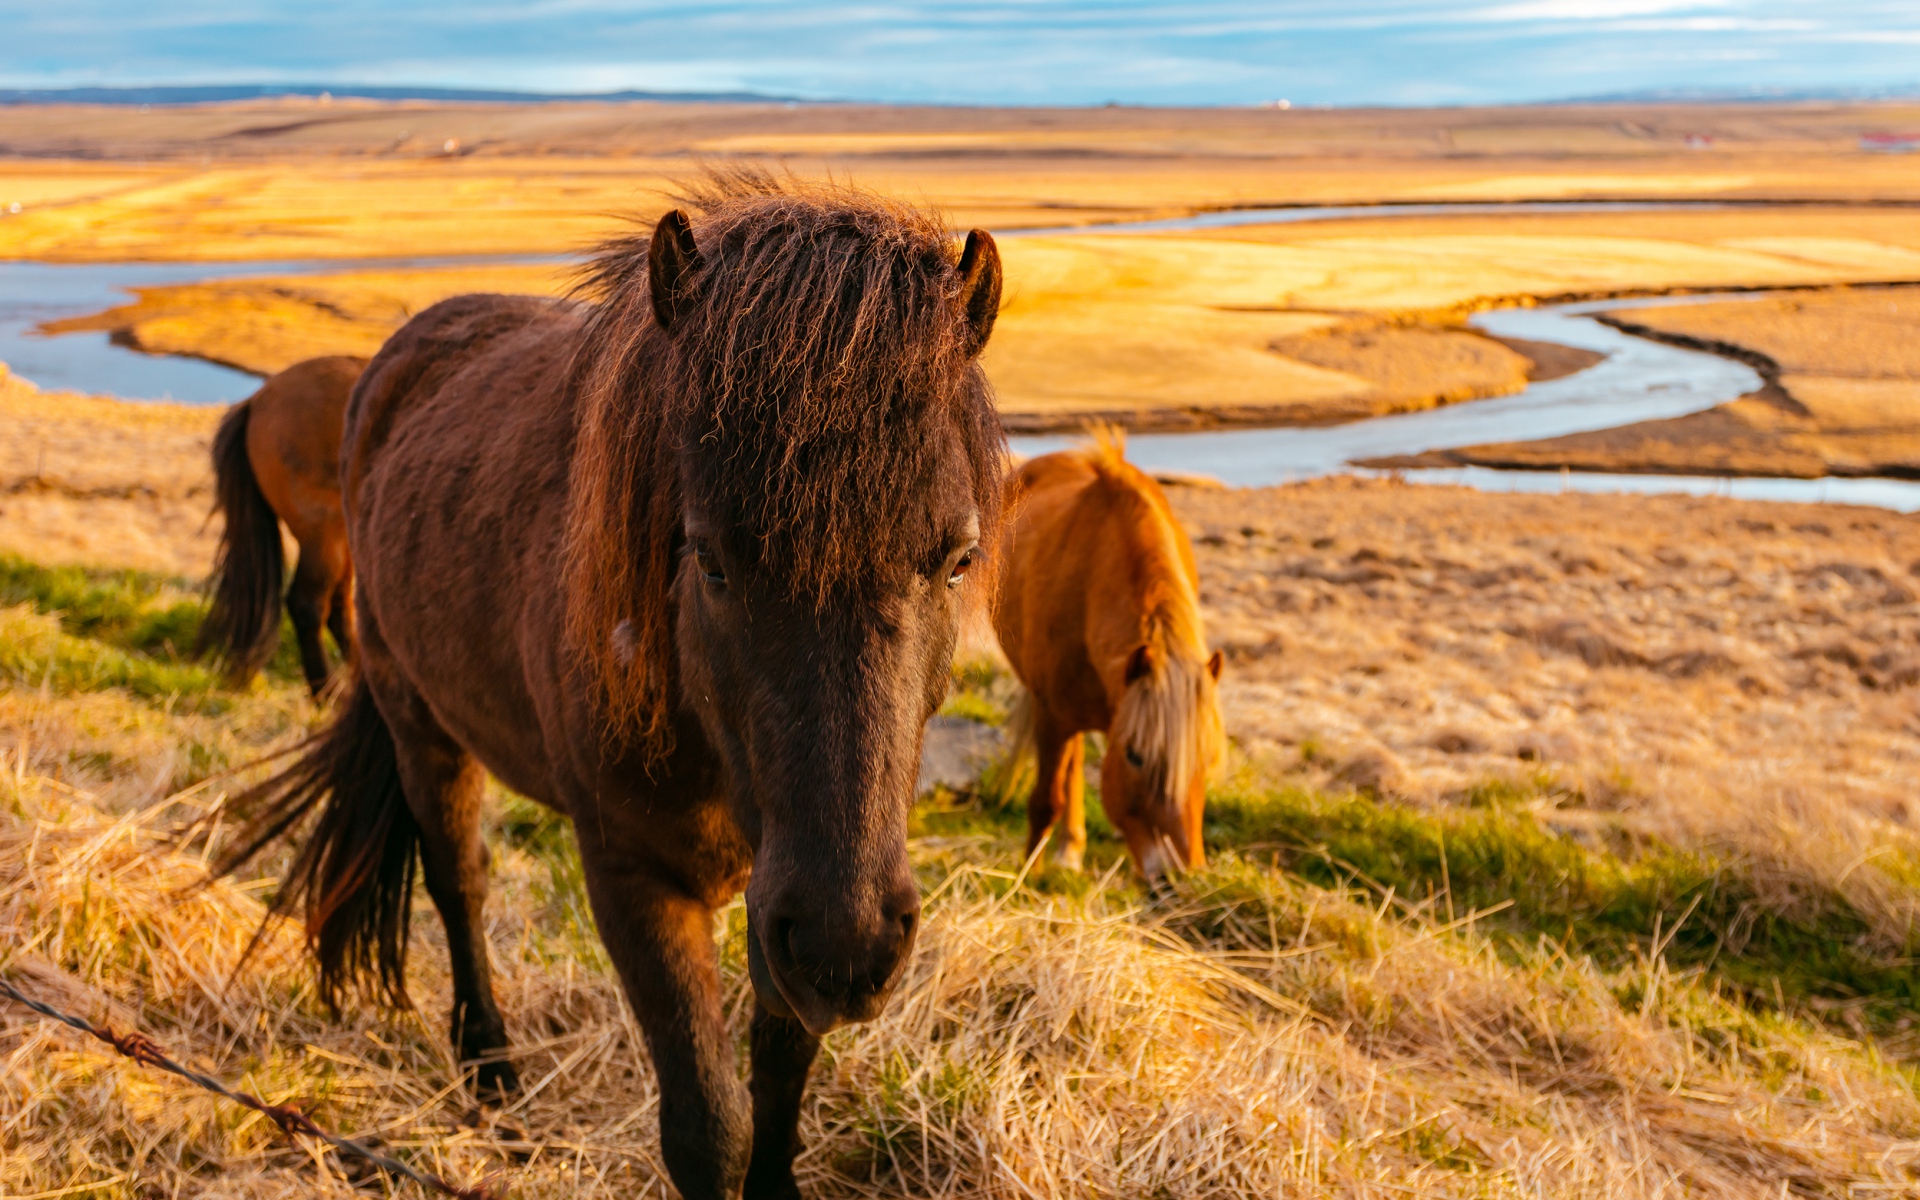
[1070, 834]
[783, 1053]
[444, 785]
[1058, 792]
[661, 942]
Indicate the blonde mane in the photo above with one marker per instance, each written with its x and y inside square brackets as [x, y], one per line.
[1171, 715]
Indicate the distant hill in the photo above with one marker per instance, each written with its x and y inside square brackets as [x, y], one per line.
[1748, 95]
[212, 94]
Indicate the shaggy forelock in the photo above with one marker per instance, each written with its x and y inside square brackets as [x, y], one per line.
[814, 395]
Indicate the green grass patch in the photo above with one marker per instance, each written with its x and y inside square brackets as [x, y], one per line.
[137, 611]
[978, 690]
[131, 610]
[972, 706]
[35, 651]
[1699, 908]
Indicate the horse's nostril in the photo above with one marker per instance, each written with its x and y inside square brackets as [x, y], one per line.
[783, 931]
[908, 921]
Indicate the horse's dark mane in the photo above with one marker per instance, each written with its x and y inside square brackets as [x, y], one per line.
[806, 397]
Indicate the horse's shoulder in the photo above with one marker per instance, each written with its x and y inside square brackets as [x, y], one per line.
[447, 335]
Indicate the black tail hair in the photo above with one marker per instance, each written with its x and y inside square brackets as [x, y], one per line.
[353, 877]
[242, 626]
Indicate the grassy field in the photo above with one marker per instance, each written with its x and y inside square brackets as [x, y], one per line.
[1565, 850]
[1361, 995]
[1566, 845]
[1281, 324]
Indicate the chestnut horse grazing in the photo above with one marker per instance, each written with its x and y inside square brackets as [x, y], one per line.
[1099, 612]
[276, 457]
[686, 563]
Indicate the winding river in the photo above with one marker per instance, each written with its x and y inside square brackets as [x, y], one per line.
[1638, 380]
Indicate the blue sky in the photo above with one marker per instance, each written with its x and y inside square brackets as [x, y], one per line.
[980, 51]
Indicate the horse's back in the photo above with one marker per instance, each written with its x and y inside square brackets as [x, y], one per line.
[459, 439]
[293, 440]
[1091, 536]
[427, 361]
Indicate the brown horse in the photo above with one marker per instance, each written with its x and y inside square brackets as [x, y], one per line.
[276, 457]
[1099, 613]
[686, 563]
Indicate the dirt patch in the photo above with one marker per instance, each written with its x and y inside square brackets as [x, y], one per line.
[1668, 641]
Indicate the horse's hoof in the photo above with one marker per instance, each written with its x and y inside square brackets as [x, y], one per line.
[494, 1082]
[780, 1187]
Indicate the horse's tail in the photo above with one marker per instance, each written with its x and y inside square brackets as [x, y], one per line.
[249, 567]
[1008, 780]
[353, 877]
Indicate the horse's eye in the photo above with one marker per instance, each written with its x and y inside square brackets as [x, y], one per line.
[961, 568]
[710, 567]
[1133, 757]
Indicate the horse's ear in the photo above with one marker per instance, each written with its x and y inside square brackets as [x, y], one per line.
[979, 288]
[1215, 664]
[672, 261]
[1140, 662]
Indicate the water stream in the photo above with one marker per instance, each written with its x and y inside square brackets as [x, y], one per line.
[1639, 380]
[32, 293]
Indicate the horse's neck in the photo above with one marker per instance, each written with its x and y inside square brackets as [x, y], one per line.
[1163, 607]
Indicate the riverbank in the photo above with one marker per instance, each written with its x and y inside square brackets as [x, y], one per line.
[1287, 324]
[1841, 395]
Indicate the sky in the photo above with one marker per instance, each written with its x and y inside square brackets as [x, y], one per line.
[1340, 52]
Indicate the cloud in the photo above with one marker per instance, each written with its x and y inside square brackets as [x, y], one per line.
[980, 52]
[1585, 10]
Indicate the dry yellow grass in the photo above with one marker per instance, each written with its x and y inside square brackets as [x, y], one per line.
[1163, 331]
[1252, 1036]
[89, 480]
[266, 325]
[1698, 669]
[300, 179]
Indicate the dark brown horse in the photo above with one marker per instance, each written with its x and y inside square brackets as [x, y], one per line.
[276, 457]
[686, 563]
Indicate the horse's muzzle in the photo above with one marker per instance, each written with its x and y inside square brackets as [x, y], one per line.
[825, 968]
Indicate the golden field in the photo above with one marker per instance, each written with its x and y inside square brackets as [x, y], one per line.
[301, 179]
[1566, 846]
[1275, 324]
